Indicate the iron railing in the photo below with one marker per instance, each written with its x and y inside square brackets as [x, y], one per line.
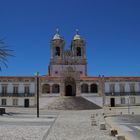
[17, 94]
[122, 93]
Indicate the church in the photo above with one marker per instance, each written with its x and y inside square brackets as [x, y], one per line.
[67, 76]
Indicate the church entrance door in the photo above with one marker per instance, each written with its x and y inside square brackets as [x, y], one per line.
[70, 87]
[68, 90]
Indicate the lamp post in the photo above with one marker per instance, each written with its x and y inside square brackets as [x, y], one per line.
[128, 99]
[37, 92]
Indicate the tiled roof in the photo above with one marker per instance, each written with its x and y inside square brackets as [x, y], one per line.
[15, 77]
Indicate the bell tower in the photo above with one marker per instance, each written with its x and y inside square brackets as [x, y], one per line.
[57, 54]
[79, 53]
[57, 47]
[78, 46]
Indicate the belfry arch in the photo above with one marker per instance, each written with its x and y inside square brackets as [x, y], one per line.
[70, 86]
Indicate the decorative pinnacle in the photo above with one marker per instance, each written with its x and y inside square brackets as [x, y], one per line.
[77, 31]
[57, 31]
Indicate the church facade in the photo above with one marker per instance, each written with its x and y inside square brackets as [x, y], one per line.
[67, 76]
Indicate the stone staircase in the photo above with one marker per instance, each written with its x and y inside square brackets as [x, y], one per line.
[69, 103]
[94, 98]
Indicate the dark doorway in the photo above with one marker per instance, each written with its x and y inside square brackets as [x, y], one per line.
[70, 86]
[69, 90]
[112, 102]
[26, 102]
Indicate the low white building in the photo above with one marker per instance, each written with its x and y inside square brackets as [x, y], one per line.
[17, 91]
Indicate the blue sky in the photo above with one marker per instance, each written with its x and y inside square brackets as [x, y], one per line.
[111, 29]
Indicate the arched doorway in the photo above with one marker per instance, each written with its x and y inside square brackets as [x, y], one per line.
[55, 88]
[70, 87]
[93, 88]
[46, 88]
[84, 88]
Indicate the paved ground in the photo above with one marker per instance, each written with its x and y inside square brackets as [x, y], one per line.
[22, 124]
[76, 125]
[25, 127]
[127, 124]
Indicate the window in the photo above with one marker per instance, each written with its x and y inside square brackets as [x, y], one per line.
[15, 102]
[132, 100]
[15, 89]
[57, 51]
[4, 90]
[26, 89]
[132, 88]
[56, 72]
[122, 100]
[122, 88]
[81, 72]
[78, 51]
[3, 102]
[112, 88]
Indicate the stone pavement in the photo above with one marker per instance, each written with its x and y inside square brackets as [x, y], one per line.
[22, 124]
[24, 127]
[76, 125]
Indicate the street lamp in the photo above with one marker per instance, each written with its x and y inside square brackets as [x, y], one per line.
[37, 92]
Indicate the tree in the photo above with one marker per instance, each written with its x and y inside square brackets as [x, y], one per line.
[4, 53]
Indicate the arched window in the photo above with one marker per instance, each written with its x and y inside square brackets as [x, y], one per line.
[93, 88]
[46, 88]
[84, 88]
[78, 51]
[57, 51]
[55, 88]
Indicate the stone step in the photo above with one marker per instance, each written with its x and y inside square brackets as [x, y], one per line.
[69, 103]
